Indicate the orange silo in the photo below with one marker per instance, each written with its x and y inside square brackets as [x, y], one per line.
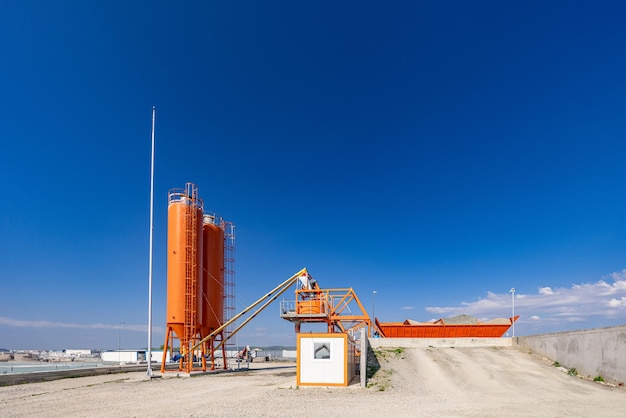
[213, 275]
[184, 262]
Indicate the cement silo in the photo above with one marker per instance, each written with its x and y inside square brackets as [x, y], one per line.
[213, 274]
[196, 282]
[184, 263]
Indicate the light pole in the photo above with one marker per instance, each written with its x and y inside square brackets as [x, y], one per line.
[512, 291]
[373, 306]
[119, 342]
[149, 371]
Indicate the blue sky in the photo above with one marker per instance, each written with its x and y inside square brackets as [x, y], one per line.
[439, 153]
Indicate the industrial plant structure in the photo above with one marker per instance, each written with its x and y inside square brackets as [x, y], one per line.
[200, 279]
[200, 303]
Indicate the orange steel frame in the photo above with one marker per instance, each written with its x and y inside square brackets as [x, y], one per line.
[187, 351]
[211, 348]
[333, 307]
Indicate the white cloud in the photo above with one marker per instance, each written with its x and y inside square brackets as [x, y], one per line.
[546, 291]
[19, 323]
[575, 319]
[619, 280]
[593, 302]
[407, 308]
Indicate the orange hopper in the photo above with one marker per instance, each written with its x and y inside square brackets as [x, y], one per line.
[439, 329]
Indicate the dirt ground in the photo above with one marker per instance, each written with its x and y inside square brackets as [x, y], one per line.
[412, 382]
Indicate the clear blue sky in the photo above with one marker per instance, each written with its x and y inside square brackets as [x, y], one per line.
[439, 153]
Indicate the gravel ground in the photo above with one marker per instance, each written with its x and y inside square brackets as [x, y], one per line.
[412, 382]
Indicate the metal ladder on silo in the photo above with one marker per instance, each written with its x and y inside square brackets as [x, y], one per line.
[191, 272]
[229, 282]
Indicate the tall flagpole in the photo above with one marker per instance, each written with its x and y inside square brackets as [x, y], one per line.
[149, 372]
[512, 291]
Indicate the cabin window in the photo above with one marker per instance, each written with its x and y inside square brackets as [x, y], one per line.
[321, 351]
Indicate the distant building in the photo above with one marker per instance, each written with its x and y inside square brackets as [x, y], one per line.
[124, 356]
[78, 353]
[274, 354]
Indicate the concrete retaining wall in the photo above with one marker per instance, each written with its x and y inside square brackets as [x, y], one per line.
[440, 342]
[593, 352]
